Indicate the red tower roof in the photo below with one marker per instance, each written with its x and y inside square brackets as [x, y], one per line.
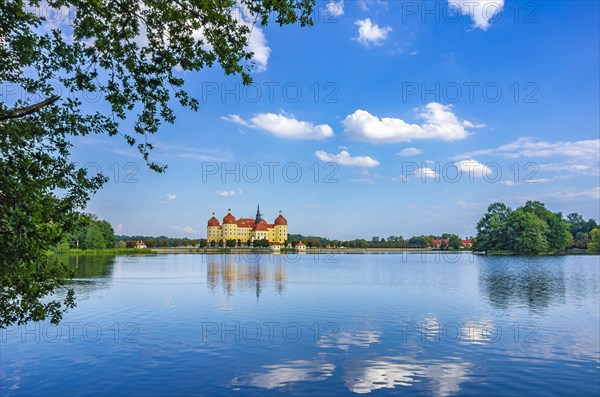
[280, 220]
[213, 221]
[229, 219]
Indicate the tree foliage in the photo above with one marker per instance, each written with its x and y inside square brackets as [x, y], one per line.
[133, 55]
[580, 229]
[594, 245]
[530, 229]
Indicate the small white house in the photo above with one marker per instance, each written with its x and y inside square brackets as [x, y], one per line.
[275, 246]
[140, 245]
[300, 246]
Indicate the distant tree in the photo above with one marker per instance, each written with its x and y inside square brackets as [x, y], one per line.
[580, 229]
[151, 243]
[416, 242]
[166, 244]
[454, 241]
[576, 224]
[108, 233]
[262, 243]
[93, 237]
[526, 232]
[176, 243]
[491, 228]
[220, 243]
[557, 235]
[202, 243]
[193, 243]
[121, 244]
[129, 244]
[594, 245]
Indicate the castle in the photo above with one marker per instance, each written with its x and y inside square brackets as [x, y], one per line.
[247, 229]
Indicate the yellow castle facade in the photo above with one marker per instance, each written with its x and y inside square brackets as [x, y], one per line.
[247, 229]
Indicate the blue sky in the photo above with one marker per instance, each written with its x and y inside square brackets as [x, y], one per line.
[387, 100]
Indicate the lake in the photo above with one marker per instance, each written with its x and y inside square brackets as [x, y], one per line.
[377, 324]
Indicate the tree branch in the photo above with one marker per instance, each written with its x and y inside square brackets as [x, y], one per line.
[22, 112]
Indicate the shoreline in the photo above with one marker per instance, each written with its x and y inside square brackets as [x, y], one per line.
[265, 251]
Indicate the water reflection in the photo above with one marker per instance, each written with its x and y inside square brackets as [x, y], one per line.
[346, 340]
[279, 375]
[522, 282]
[232, 276]
[91, 273]
[442, 378]
[446, 378]
[366, 376]
[439, 378]
[90, 266]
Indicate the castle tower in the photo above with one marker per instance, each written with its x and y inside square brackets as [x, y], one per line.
[213, 232]
[229, 227]
[281, 228]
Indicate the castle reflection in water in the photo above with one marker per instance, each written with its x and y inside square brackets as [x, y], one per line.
[235, 274]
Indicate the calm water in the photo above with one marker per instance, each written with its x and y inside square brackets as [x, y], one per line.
[411, 324]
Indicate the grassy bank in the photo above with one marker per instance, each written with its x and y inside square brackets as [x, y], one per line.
[107, 251]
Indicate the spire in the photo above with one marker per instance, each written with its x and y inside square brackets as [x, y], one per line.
[258, 216]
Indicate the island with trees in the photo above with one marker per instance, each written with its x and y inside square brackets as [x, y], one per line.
[533, 229]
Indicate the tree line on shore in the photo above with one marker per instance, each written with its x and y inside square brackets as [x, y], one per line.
[446, 240]
[529, 229]
[91, 234]
[533, 229]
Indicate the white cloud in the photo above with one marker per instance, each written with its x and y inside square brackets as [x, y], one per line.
[257, 41]
[236, 119]
[581, 157]
[439, 123]
[284, 126]
[185, 229]
[473, 167]
[529, 147]
[481, 12]
[335, 8]
[344, 158]
[363, 5]
[168, 198]
[420, 173]
[119, 227]
[533, 180]
[370, 33]
[228, 193]
[583, 169]
[591, 194]
[426, 172]
[257, 44]
[409, 151]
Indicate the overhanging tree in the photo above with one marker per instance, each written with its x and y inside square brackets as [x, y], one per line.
[127, 51]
